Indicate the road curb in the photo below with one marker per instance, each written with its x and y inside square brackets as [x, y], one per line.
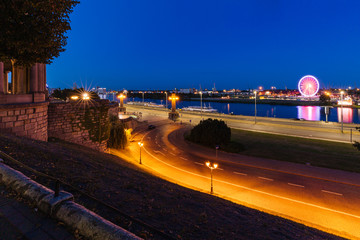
[62, 208]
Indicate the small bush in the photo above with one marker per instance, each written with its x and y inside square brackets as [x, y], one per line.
[211, 133]
[117, 139]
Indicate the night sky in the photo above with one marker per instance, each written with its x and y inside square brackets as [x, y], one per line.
[167, 44]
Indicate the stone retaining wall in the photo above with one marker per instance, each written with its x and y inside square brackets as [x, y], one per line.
[28, 120]
[83, 123]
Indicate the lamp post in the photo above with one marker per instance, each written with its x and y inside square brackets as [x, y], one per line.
[201, 103]
[255, 105]
[121, 97]
[140, 145]
[342, 112]
[85, 96]
[166, 100]
[212, 167]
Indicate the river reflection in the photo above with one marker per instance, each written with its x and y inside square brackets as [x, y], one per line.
[311, 113]
[347, 115]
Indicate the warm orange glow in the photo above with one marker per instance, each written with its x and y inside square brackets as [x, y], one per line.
[213, 166]
[74, 97]
[174, 98]
[85, 96]
[140, 144]
[121, 96]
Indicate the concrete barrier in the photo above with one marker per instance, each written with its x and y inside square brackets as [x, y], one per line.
[62, 208]
[92, 225]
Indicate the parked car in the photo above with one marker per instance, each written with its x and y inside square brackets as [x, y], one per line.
[151, 127]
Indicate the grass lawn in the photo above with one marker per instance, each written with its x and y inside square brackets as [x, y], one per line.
[299, 150]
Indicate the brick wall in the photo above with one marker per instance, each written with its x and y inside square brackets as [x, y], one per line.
[28, 120]
[83, 123]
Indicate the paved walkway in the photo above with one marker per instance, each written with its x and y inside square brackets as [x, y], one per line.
[19, 221]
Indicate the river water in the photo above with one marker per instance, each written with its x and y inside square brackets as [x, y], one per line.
[312, 113]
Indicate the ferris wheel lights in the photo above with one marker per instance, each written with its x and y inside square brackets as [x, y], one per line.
[308, 86]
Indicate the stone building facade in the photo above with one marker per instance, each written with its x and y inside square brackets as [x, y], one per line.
[83, 123]
[23, 109]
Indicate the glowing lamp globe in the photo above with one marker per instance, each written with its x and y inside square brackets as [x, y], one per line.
[308, 86]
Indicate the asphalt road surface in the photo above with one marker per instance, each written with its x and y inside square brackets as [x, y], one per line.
[325, 199]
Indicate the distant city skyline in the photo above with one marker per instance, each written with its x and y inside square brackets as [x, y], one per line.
[234, 44]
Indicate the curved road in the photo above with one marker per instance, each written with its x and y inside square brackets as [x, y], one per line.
[317, 199]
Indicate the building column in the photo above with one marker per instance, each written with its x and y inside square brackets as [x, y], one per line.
[2, 80]
[20, 80]
[34, 74]
[40, 78]
[6, 82]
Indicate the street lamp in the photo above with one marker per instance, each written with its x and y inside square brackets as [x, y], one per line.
[212, 167]
[255, 105]
[342, 112]
[166, 100]
[121, 97]
[216, 150]
[85, 96]
[201, 102]
[74, 97]
[140, 145]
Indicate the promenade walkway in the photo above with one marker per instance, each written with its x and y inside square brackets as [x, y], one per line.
[20, 221]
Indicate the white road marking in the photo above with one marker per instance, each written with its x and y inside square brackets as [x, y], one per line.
[165, 149]
[159, 145]
[335, 193]
[239, 173]
[255, 190]
[173, 154]
[184, 158]
[268, 179]
[198, 163]
[159, 152]
[295, 185]
[220, 168]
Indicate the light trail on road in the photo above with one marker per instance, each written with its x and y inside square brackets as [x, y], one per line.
[219, 181]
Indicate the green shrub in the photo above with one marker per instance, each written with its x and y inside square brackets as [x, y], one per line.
[117, 139]
[211, 133]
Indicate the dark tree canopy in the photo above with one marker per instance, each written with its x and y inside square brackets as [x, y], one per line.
[211, 133]
[33, 31]
[325, 99]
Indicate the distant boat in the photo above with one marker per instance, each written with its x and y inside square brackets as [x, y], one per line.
[151, 104]
[147, 104]
[198, 109]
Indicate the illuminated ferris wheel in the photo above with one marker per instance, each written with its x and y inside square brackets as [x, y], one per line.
[308, 86]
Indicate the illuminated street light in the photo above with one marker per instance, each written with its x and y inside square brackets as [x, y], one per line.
[342, 112]
[74, 98]
[85, 96]
[255, 105]
[212, 167]
[121, 97]
[140, 145]
[201, 103]
[166, 100]
[173, 115]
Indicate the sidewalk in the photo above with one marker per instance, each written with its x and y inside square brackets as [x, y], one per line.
[20, 221]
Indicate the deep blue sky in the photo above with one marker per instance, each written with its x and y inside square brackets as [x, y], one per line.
[166, 44]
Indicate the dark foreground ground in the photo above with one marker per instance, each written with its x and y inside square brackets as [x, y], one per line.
[179, 212]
